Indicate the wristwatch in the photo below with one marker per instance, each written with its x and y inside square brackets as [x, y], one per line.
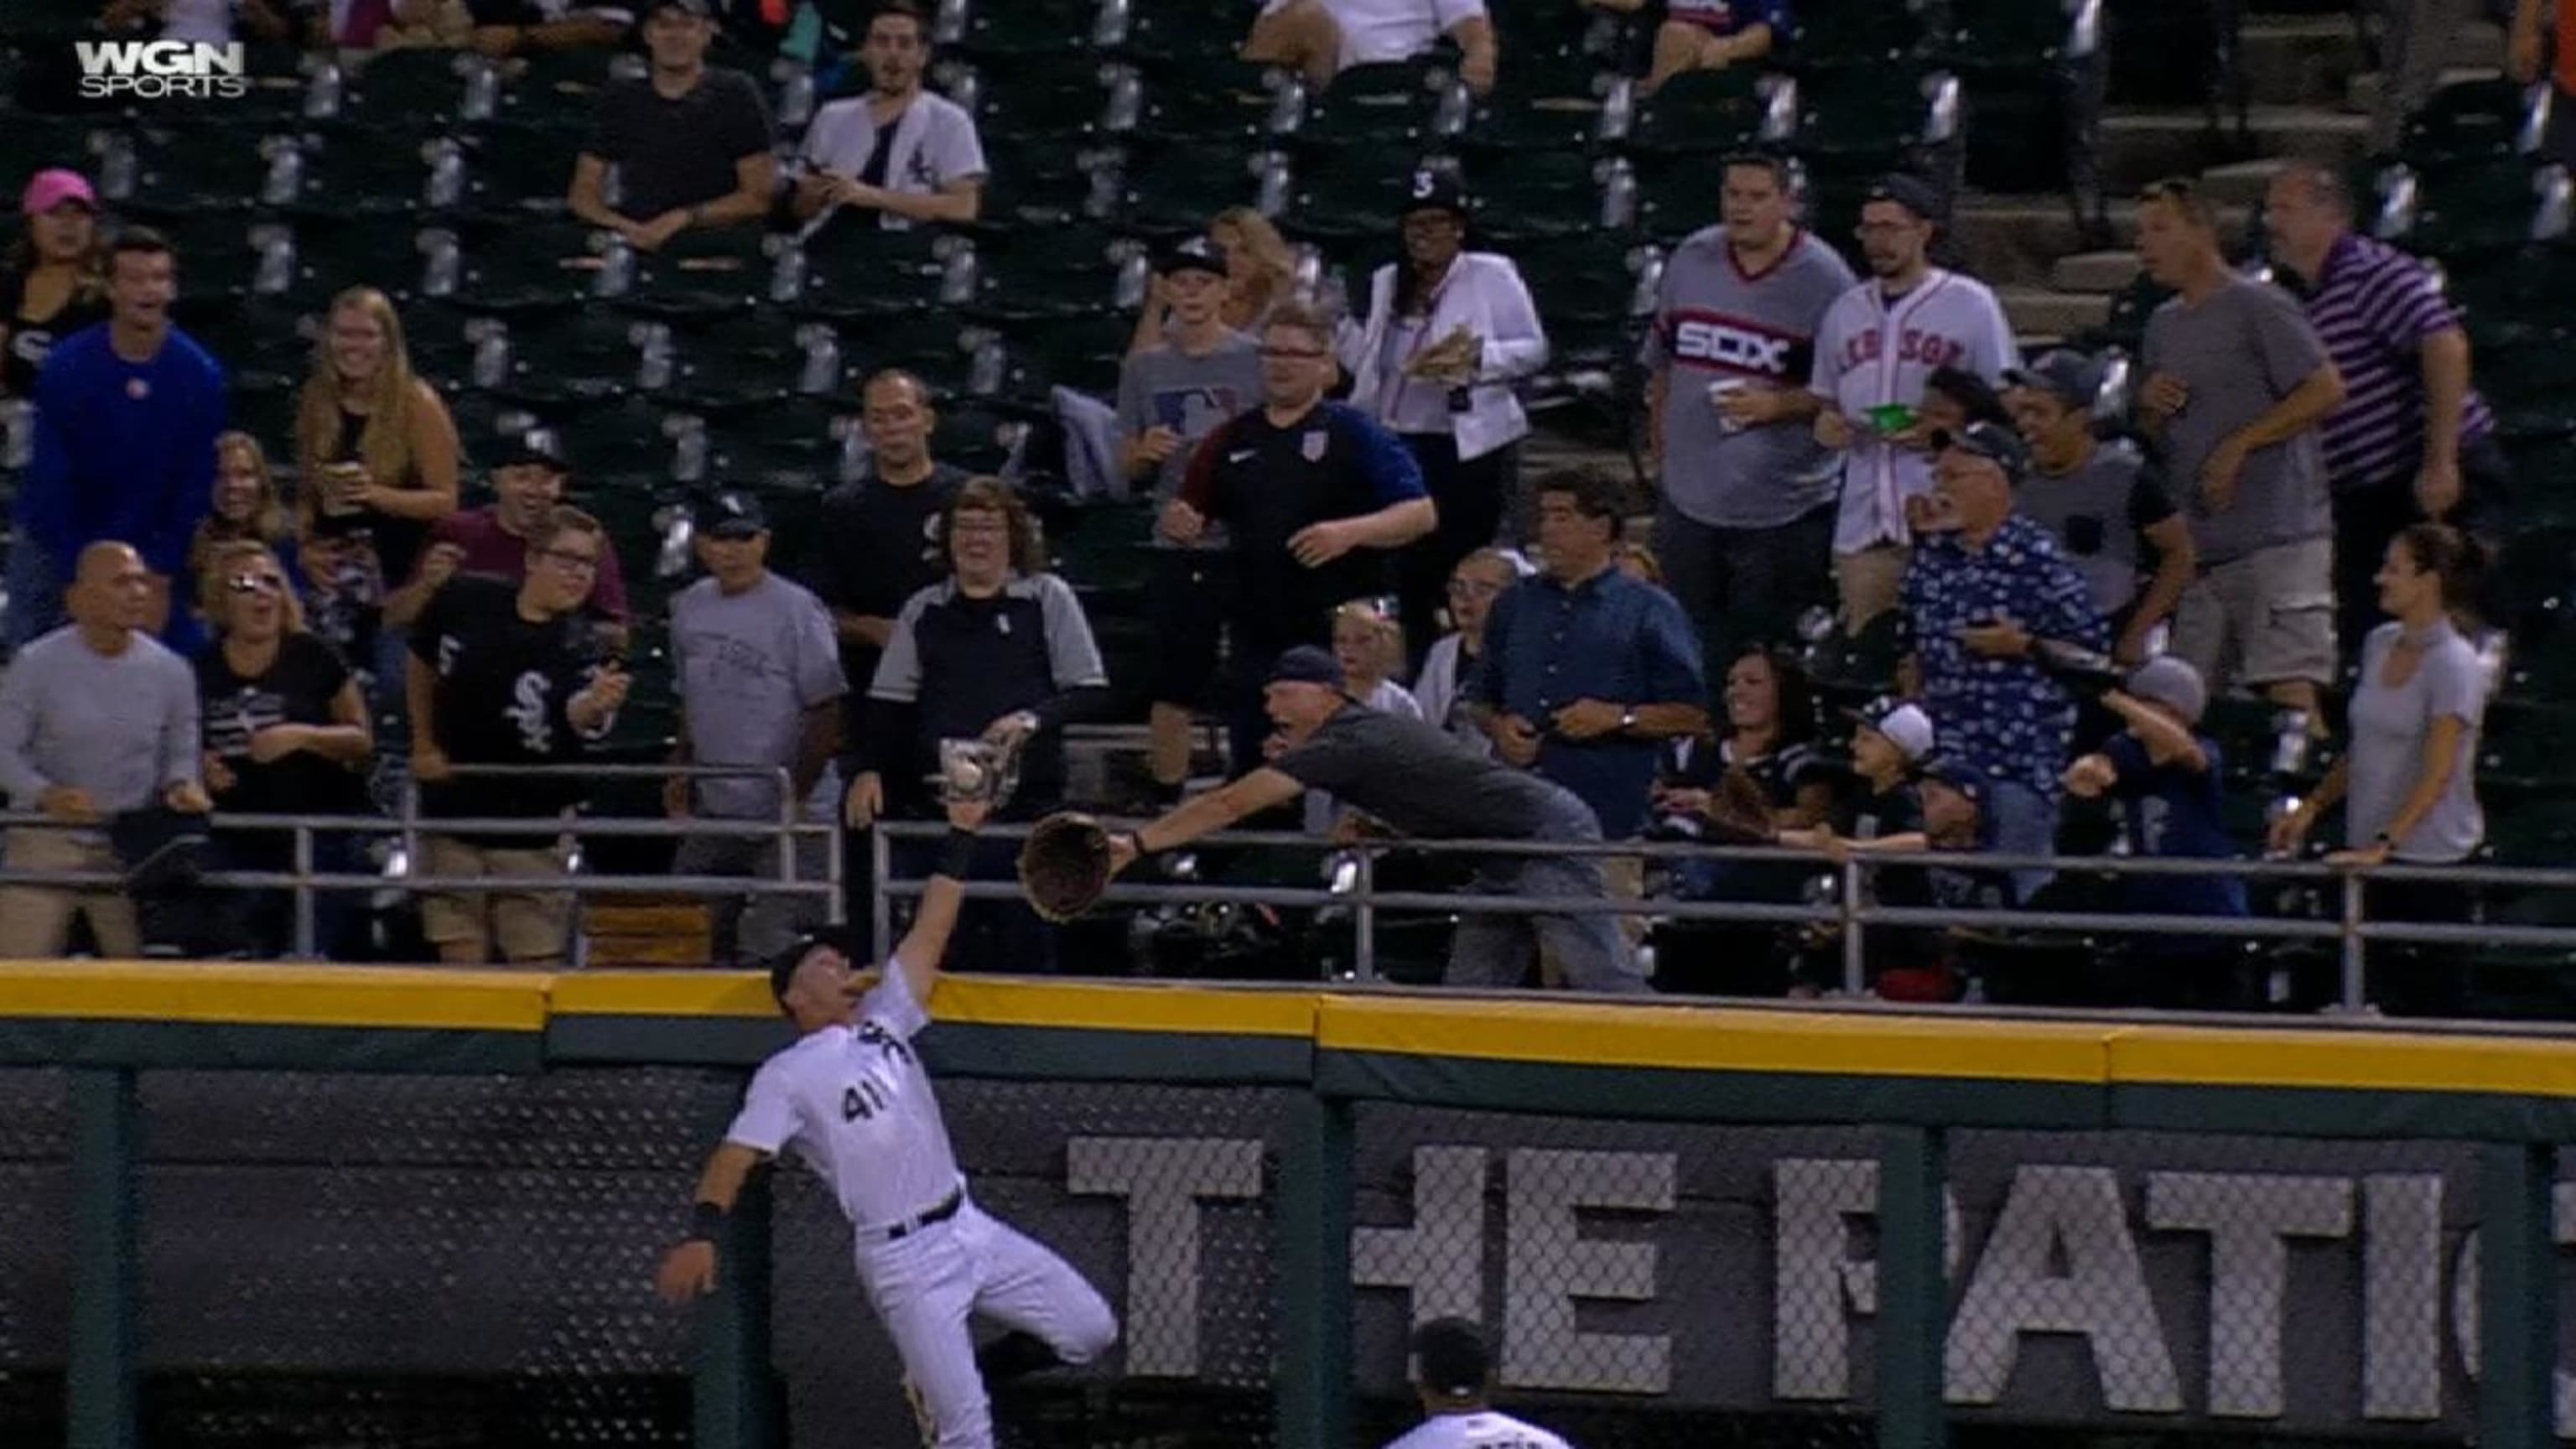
[1628, 718]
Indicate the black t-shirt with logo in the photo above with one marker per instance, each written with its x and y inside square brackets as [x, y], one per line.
[876, 546]
[296, 688]
[503, 684]
[30, 338]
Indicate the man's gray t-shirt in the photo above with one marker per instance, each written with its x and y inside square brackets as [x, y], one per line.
[1163, 386]
[119, 726]
[1423, 783]
[1715, 322]
[2243, 349]
[748, 667]
[2098, 512]
[2389, 727]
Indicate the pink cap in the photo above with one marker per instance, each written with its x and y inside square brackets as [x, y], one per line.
[51, 188]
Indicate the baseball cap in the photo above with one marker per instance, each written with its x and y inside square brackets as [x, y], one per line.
[2172, 683]
[730, 515]
[1987, 440]
[1913, 194]
[1904, 724]
[1450, 1358]
[1432, 189]
[2067, 374]
[52, 187]
[1191, 254]
[1307, 664]
[1954, 771]
[784, 961]
[535, 448]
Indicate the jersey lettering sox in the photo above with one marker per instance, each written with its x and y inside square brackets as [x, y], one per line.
[1873, 351]
[855, 1104]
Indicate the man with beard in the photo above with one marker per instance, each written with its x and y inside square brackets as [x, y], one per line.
[1878, 345]
[898, 151]
[1745, 529]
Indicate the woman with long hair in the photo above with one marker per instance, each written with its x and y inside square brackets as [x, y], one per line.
[2408, 781]
[53, 281]
[376, 458]
[246, 508]
[1260, 273]
[285, 733]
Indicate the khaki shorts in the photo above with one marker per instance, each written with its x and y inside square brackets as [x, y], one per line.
[36, 921]
[1871, 582]
[2266, 618]
[527, 925]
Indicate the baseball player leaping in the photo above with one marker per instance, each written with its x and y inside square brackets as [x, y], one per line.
[851, 1097]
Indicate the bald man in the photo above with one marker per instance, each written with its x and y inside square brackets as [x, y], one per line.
[96, 719]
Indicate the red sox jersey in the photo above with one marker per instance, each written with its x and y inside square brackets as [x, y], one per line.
[1874, 350]
[856, 1106]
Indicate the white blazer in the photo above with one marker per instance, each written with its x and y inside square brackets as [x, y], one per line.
[1483, 292]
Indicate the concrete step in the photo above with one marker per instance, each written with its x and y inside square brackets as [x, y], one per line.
[2101, 273]
[2017, 241]
[2308, 59]
[2139, 146]
[2041, 312]
[2363, 93]
[2242, 183]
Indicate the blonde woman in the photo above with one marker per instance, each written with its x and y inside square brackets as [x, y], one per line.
[285, 732]
[1260, 273]
[376, 453]
[246, 508]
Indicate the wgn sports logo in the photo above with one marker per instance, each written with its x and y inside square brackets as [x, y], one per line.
[153, 70]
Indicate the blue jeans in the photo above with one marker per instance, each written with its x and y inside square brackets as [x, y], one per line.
[1493, 948]
[2019, 820]
[36, 606]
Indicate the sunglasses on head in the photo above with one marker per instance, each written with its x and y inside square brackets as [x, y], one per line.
[257, 584]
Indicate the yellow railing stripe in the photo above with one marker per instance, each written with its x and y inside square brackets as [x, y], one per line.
[276, 994]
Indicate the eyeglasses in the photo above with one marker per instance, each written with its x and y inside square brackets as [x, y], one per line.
[256, 584]
[1296, 354]
[579, 563]
[1473, 588]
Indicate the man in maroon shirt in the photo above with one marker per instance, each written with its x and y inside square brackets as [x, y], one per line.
[527, 483]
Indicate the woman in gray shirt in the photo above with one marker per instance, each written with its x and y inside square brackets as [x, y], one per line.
[2407, 781]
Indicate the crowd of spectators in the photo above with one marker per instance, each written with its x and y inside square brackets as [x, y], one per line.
[2069, 570]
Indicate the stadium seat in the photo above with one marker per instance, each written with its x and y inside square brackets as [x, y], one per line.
[1058, 30]
[1524, 193]
[1171, 103]
[1038, 276]
[1176, 185]
[1401, 105]
[745, 356]
[2524, 299]
[192, 170]
[1054, 96]
[2535, 399]
[701, 275]
[2004, 37]
[517, 171]
[529, 269]
[854, 271]
[1180, 34]
[1051, 181]
[2479, 210]
[573, 361]
[1352, 196]
[1864, 37]
[1867, 121]
[2468, 121]
[415, 89]
[1706, 112]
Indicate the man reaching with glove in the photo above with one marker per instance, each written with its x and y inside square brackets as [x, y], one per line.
[1425, 784]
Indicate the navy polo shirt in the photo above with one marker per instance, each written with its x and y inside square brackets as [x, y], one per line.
[1609, 637]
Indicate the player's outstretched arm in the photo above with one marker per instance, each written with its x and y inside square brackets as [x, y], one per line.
[922, 947]
[689, 1270]
[1204, 815]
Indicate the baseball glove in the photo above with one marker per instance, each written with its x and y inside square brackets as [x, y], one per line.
[1738, 812]
[1064, 865]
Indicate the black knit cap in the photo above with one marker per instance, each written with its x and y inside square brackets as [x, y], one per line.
[1450, 1359]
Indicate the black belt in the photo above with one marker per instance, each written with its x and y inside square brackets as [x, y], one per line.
[947, 1208]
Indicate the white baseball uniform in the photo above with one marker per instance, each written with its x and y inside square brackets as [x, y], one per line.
[1873, 351]
[857, 1107]
[1486, 1430]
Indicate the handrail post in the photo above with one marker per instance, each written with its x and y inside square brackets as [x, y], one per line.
[1364, 919]
[102, 1381]
[880, 905]
[306, 946]
[788, 805]
[1855, 954]
[2355, 987]
[411, 826]
[836, 868]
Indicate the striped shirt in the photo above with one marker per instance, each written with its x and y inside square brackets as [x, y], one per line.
[2374, 306]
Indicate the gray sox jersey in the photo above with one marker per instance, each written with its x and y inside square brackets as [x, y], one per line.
[1716, 321]
[1873, 351]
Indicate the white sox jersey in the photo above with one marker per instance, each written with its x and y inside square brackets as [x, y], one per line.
[855, 1104]
[1487, 1430]
[1874, 350]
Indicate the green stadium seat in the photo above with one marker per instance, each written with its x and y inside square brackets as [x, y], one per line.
[1058, 30]
[529, 269]
[1176, 185]
[1527, 193]
[1051, 181]
[517, 171]
[855, 272]
[1395, 104]
[1057, 96]
[2535, 399]
[573, 361]
[2008, 37]
[750, 355]
[188, 170]
[2524, 299]
[1865, 36]
[1356, 195]
[1706, 112]
[2479, 120]
[2480, 210]
[415, 88]
[1181, 34]
[1864, 121]
[1040, 276]
[701, 275]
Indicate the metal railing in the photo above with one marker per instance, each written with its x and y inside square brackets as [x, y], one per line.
[408, 827]
[2351, 930]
